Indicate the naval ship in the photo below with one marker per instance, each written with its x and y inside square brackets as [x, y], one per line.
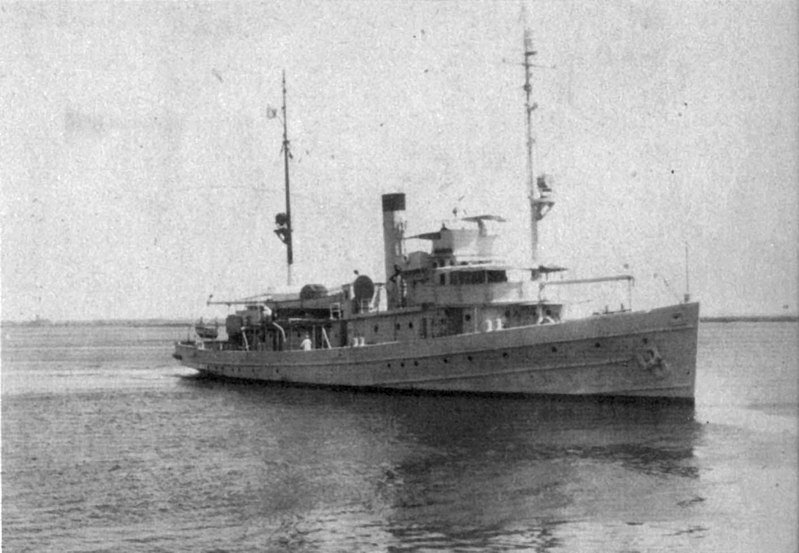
[453, 317]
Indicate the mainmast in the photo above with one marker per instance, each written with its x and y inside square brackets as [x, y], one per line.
[529, 107]
[283, 220]
[538, 191]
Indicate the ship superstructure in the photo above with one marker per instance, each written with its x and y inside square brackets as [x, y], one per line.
[455, 318]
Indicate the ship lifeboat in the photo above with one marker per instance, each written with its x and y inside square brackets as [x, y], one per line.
[206, 331]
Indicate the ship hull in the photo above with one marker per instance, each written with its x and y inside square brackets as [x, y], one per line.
[634, 354]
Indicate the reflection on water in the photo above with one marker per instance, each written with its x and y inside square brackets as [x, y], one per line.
[456, 471]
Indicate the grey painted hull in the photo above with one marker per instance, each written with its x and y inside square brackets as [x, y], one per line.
[637, 354]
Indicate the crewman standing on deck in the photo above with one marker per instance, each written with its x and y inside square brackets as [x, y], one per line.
[306, 344]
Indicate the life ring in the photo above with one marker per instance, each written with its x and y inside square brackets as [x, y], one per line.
[650, 360]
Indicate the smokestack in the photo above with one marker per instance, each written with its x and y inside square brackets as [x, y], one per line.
[393, 246]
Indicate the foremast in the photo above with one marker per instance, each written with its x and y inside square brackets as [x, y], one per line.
[283, 220]
[539, 190]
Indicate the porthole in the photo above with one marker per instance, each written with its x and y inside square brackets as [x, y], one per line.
[446, 360]
[505, 354]
[554, 349]
[410, 324]
[416, 363]
[597, 345]
[397, 326]
[376, 328]
[467, 318]
[469, 357]
[402, 364]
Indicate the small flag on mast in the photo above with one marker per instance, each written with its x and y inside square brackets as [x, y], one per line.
[271, 112]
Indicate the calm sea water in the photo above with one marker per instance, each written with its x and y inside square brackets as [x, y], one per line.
[109, 445]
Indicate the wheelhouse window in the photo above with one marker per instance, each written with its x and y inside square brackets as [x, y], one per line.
[477, 277]
[468, 277]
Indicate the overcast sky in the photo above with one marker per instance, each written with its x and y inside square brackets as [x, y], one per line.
[141, 173]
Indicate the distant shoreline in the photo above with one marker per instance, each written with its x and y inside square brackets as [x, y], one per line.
[751, 319]
[135, 323]
[101, 322]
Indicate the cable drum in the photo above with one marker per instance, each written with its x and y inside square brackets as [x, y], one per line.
[363, 288]
[234, 324]
[313, 291]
